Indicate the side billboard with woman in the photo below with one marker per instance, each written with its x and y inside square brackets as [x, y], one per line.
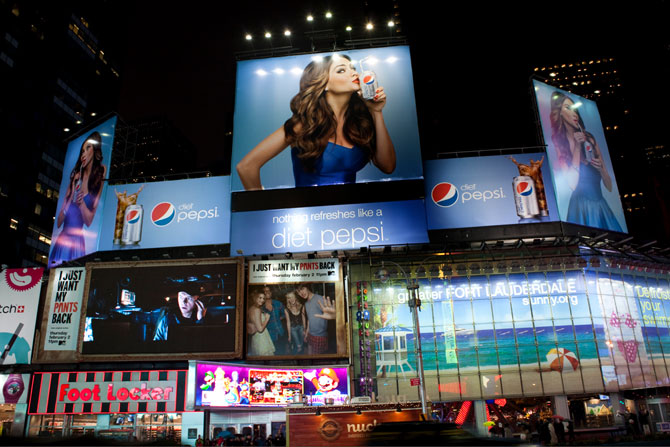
[586, 192]
[85, 170]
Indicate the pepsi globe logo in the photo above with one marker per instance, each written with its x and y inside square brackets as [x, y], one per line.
[133, 217]
[444, 194]
[368, 79]
[524, 188]
[163, 214]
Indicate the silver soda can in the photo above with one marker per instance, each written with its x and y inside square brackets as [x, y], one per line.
[525, 197]
[132, 225]
[588, 151]
[368, 81]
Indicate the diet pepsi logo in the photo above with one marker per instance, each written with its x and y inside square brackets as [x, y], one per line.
[444, 194]
[368, 79]
[133, 217]
[524, 189]
[163, 214]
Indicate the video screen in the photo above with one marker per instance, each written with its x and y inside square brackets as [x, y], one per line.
[287, 132]
[220, 385]
[162, 308]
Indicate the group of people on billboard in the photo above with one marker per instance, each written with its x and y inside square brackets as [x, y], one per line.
[296, 325]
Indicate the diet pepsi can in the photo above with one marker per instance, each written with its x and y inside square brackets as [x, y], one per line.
[525, 197]
[368, 80]
[588, 151]
[132, 225]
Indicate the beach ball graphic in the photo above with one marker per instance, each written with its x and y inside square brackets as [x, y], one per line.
[560, 359]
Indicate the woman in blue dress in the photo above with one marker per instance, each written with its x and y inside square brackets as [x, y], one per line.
[333, 132]
[578, 153]
[81, 201]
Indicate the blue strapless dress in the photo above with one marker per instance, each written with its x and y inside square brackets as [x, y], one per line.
[70, 244]
[587, 204]
[337, 164]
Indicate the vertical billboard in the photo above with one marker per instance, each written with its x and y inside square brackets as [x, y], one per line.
[299, 101]
[166, 214]
[227, 385]
[486, 191]
[169, 309]
[586, 190]
[19, 301]
[82, 191]
[59, 330]
[295, 308]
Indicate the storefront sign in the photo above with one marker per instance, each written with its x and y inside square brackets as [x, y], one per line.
[109, 392]
[342, 428]
[19, 299]
[336, 227]
[262, 272]
[65, 292]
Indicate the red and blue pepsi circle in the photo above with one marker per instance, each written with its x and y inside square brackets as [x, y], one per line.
[444, 194]
[524, 188]
[133, 216]
[163, 214]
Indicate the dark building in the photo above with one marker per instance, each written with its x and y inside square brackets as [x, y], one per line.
[56, 78]
[154, 149]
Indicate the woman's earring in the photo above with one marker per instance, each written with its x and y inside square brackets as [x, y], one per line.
[326, 89]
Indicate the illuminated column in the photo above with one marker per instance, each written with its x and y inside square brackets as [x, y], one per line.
[560, 404]
[480, 418]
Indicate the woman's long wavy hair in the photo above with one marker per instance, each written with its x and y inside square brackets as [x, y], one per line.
[558, 132]
[97, 170]
[313, 121]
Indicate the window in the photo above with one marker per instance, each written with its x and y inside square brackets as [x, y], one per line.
[38, 209]
[13, 224]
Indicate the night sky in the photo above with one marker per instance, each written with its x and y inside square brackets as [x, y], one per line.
[471, 60]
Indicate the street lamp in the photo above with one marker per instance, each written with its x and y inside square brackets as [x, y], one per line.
[415, 304]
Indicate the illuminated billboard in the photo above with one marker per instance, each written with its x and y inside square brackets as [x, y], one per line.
[229, 385]
[485, 191]
[295, 308]
[334, 227]
[167, 214]
[19, 302]
[169, 309]
[82, 191]
[586, 190]
[302, 120]
[59, 330]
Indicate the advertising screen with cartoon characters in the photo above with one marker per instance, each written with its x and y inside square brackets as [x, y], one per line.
[227, 385]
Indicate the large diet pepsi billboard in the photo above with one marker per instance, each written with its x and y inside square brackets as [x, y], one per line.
[379, 140]
[82, 192]
[167, 214]
[583, 177]
[488, 191]
[336, 227]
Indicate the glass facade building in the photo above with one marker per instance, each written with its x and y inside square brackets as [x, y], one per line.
[552, 331]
